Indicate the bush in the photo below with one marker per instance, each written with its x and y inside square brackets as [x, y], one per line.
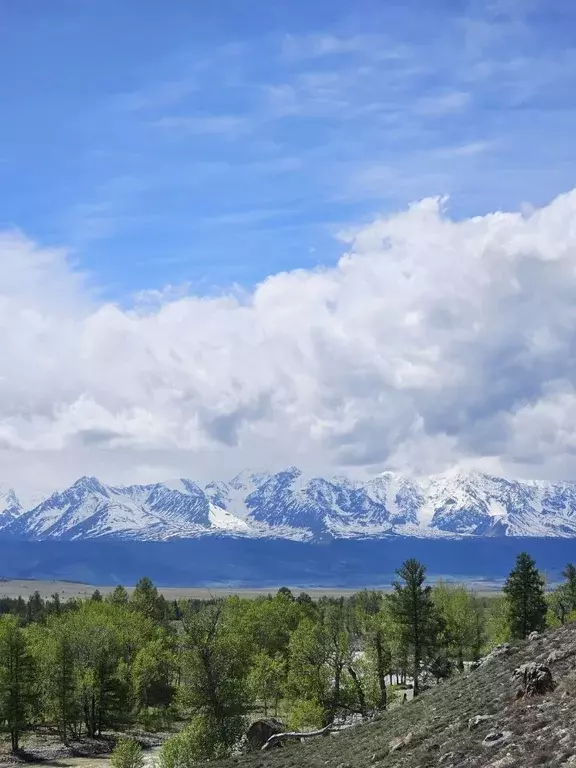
[127, 754]
[306, 715]
[200, 740]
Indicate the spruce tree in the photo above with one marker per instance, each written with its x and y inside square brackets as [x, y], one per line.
[524, 590]
[569, 574]
[16, 679]
[412, 608]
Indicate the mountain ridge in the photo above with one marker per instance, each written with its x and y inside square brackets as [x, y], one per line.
[290, 505]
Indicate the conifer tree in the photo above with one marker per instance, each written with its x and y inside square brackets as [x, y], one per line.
[412, 607]
[16, 679]
[524, 590]
[569, 574]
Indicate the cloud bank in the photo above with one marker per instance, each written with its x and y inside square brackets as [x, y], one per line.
[431, 343]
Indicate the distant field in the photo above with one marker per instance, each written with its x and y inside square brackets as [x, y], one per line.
[67, 589]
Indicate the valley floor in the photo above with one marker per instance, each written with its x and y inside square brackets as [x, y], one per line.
[15, 588]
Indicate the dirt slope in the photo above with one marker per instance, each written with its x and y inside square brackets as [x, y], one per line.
[538, 731]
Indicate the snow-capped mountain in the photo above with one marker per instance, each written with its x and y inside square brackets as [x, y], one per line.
[290, 505]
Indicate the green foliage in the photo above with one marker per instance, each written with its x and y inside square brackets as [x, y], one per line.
[496, 623]
[127, 754]
[306, 715]
[463, 621]
[84, 666]
[16, 679]
[119, 596]
[146, 600]
[200, 740]
[524, 590]
[412, 608]
[215, 669]
[267, 679]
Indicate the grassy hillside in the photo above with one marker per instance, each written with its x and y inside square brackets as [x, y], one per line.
[538, 731]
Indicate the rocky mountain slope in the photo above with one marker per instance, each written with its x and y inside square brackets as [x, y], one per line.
[289, 505]
[473, 720]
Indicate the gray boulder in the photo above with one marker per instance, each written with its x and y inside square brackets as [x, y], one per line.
[261, 730]
[534, 679]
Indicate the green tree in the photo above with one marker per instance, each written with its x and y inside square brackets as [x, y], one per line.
[127, 754]
[524, 590]
[412, 607]
[152, 674]
[463, 617]
[119, 596]
[56, 660]
[308, 670]
[200, 740]
[559, 605]
[147, 601]
[569, 574]
[215, 669]
[267, 679]
[377, 635]
[16, 679]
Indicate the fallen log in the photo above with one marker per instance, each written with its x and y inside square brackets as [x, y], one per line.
[279, 737]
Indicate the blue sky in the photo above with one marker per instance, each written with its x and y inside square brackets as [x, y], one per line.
[218, 143]
[225, 239]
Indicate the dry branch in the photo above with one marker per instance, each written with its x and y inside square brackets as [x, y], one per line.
[279, 737]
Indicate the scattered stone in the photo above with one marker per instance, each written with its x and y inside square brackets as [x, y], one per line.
[504, 762]
[400, 743]
[533, 636]
[496, 738]
[261, 730]
[445, 758]
[475, 721]
[535, 679]
[553, 657]
[501, 650]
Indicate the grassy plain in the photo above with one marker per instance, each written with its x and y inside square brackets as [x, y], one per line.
[69, 589]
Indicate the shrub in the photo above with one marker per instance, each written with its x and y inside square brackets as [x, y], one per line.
[127, 754]
[200, 740]
[305, 715]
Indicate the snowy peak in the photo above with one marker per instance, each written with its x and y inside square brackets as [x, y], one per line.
[10, 506]
[292, 505]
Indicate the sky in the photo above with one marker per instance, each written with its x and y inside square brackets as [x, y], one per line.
[332, 235]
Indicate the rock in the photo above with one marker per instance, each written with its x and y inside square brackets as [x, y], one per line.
[553, 657]
[261, 730]
[400, 743]
[475, 721]
[496, 738]
[473, 666]
[504, 762]
[446, 758]
[500, 650]
[535, 679]
[533, 636]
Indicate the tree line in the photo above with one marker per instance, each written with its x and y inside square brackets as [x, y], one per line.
[204, 667]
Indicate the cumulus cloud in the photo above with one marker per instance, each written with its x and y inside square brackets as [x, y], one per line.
[432, 342]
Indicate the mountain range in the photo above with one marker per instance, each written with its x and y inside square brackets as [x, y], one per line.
[290, 505]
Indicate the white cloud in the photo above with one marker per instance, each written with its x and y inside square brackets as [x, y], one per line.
[432, 342]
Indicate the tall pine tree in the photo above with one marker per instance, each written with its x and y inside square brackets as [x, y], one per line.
[524, 590]
[16, 679]
[412, 608]
[569, 574]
